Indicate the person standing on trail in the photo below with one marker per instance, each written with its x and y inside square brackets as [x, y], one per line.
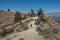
[31, 25]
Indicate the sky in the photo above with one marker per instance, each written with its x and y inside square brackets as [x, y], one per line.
[25, 5]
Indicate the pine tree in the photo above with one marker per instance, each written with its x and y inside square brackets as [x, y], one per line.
[32, 12]
[18, 16]
[40, 12]
[8, 10]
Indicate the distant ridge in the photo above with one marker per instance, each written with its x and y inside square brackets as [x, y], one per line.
[2, 11]
[55, 16]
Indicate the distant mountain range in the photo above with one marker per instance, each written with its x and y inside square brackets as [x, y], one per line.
[55, 16]
[2, 11]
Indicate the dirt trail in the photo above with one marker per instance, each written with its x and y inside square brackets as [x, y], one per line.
[29, 18]
[29, 34]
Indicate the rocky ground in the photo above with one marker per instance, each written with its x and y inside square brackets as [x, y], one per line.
[32, 28]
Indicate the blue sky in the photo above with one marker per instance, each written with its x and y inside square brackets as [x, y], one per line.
[26, 5]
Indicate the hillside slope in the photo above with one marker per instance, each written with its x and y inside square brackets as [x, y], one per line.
[39, 29]
[6, 18]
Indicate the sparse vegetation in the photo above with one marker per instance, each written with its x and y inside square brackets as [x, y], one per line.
[5, 32]
[54, 30]
[24, 17]
[41, 15]
[22, 23]
[18, 16]
[40, 12]
[32, 12]
[37, 21]
[47, 33]
[21, 39]
[24, 26]
[8, 10]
